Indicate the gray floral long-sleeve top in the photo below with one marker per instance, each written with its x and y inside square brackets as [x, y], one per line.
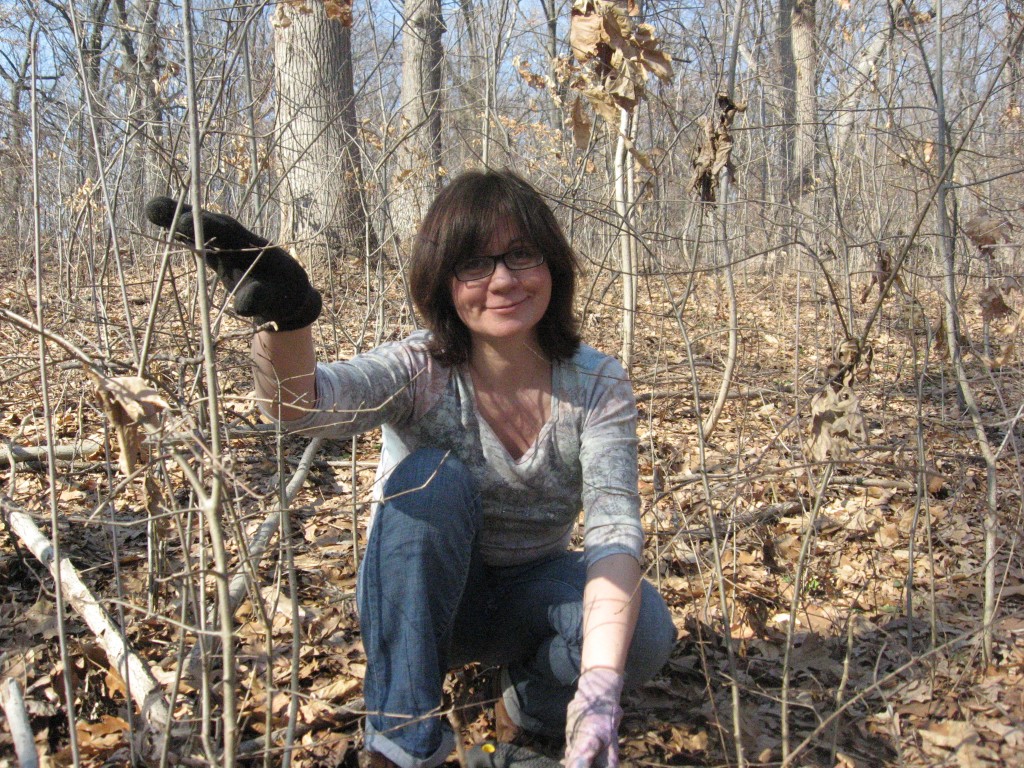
[585, 456]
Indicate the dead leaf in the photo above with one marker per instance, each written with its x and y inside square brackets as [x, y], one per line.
[616, 57]
[338, 690]
[280, 19]
[888, 535]
[322, 748]
[713, 151]
[581, 124]
[1005, 355]
[129, 401]
[993, 306]
[603, 104]
[813, 654]
[105, 733]
[681, 741]
[950, 734]
[653, 58]
[115, 684]
[934, 480]
[339, 11]
[973, 756]
[837, 423]
[531, 78]
[136, 396]
[586, 33]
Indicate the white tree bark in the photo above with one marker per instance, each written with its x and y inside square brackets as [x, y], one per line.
[865, 67]
[13, 703]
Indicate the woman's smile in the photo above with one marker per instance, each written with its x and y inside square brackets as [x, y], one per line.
[507, 307]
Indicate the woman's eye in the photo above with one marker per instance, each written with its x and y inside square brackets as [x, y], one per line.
[518, 258]
[474, 269]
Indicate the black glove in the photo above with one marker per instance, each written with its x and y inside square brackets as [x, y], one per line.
[275, 287]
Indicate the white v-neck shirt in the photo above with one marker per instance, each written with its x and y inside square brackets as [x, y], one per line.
[583, 458]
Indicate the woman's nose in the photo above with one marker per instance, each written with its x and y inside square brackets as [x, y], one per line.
[503, 275]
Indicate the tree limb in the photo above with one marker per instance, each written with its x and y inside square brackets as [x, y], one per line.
[140, 682]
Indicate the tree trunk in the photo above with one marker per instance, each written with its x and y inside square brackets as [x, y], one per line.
[554, 113]
[142, 57]
[90, 46]
[321, 211]
[787, 72]
[805, 62]
[1015, 54]
[472, 118]
[863, 75]
[418, 159]
[15, 135]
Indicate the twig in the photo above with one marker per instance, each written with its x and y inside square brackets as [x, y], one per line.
[805, 550]
[257, 547]
[875, 482]
[252, 747]
[747, 520]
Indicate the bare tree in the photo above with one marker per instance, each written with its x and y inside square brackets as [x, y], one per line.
[14, 70]
[321, 208]
[418, 165]
[143, 58]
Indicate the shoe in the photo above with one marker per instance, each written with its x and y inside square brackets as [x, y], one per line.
[369, 759]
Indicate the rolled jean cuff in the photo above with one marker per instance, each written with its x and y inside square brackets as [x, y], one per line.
[515, 709]
[378, 742]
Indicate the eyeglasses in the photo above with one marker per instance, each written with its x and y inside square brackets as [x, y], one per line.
[480, 267]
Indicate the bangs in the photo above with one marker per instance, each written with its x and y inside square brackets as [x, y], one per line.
[490, 209]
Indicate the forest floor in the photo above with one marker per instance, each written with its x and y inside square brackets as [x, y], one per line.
[854, 589]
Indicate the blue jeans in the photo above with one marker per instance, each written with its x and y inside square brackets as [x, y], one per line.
[428, 603]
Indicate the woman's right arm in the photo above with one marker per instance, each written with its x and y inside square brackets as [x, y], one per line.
[284, 370]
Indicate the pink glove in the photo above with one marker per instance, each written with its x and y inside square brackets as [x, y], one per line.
[592, 721]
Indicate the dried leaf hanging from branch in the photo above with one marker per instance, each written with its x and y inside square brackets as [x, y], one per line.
[128, 402]
[993, 305]
[339, 11]
[621, 55]
[837, 423]
[582, 125]
[713, 151]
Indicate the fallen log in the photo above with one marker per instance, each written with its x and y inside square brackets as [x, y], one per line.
[9, 452]
[143, 687]
[13, 703]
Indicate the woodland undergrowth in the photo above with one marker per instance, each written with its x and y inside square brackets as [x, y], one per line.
[853, 585]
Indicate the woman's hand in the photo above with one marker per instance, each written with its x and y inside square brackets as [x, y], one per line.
[267, 283]
[592, 720]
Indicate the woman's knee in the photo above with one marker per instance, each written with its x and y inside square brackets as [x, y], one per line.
[429, 480]
[653, 639]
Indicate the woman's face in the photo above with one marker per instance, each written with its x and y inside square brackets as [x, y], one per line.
[508, 304]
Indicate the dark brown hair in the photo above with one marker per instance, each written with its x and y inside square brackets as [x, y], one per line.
[458, 225]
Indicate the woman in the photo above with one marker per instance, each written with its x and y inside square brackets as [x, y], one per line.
[498, 427]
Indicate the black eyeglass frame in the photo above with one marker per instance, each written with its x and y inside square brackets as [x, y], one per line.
[503, 258]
